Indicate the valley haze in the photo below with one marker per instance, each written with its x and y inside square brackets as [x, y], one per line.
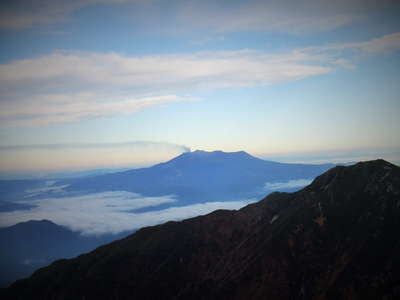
[190, 184]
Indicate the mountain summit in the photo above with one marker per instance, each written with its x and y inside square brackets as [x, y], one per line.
[212, 159]
[200, 176]
[335, 239]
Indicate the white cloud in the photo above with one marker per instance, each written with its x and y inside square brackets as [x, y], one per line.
[80, 71]
[295, 183]
[34, 90]
[68, 87]
[108, 212]
[380, 45]
[42, 110]
[385, 44]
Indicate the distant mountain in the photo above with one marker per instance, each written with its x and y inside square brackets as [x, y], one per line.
[193, 177]
[27, 246]
[11, 190]
[201, 176]
[335, 239]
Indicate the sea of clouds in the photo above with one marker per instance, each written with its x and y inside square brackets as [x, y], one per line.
[110, 212]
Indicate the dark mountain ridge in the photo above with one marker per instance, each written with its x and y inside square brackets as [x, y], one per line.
[335, 239]
[30, 245]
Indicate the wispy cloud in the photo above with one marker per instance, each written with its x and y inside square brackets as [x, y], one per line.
[380, 45]
[49, 188]
[301, 16]
[278, 186]
[81, 71]
[34, 91]
[109, 212]
[42, 110]
[140, 144]
[18, 14]
[69, 87]
[296, 17]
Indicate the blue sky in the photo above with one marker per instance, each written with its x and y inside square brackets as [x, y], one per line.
[113, 83]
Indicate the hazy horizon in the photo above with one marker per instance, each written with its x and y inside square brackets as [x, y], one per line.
[334, 157]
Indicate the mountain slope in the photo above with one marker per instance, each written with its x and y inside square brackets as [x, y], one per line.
[29, 245]
[201, 176]
[335, 239]
[11, 190]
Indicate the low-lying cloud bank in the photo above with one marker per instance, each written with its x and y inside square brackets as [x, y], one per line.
[108, 212]
[48, 188]
[295, 183]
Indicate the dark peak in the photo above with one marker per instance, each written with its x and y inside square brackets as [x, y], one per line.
[367, 167]
[377, 163]
[33, 225]
[368, 175]
[217, 152]
[38, 222]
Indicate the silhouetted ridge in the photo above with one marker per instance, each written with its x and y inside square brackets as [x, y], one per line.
[335, 239]
[359, 174]
[27, 246]
[43, 222]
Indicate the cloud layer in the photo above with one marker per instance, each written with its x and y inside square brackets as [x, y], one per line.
[274, 16]
[109, 212]
[47, 109]
[301, 16]
[69, 87]
[280, 186]
[66, 87]
[83, 71]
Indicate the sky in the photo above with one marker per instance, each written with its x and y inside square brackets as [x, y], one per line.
[112, 83]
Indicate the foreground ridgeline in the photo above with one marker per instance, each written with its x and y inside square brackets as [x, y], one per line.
[28, 246]
[335, 239]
